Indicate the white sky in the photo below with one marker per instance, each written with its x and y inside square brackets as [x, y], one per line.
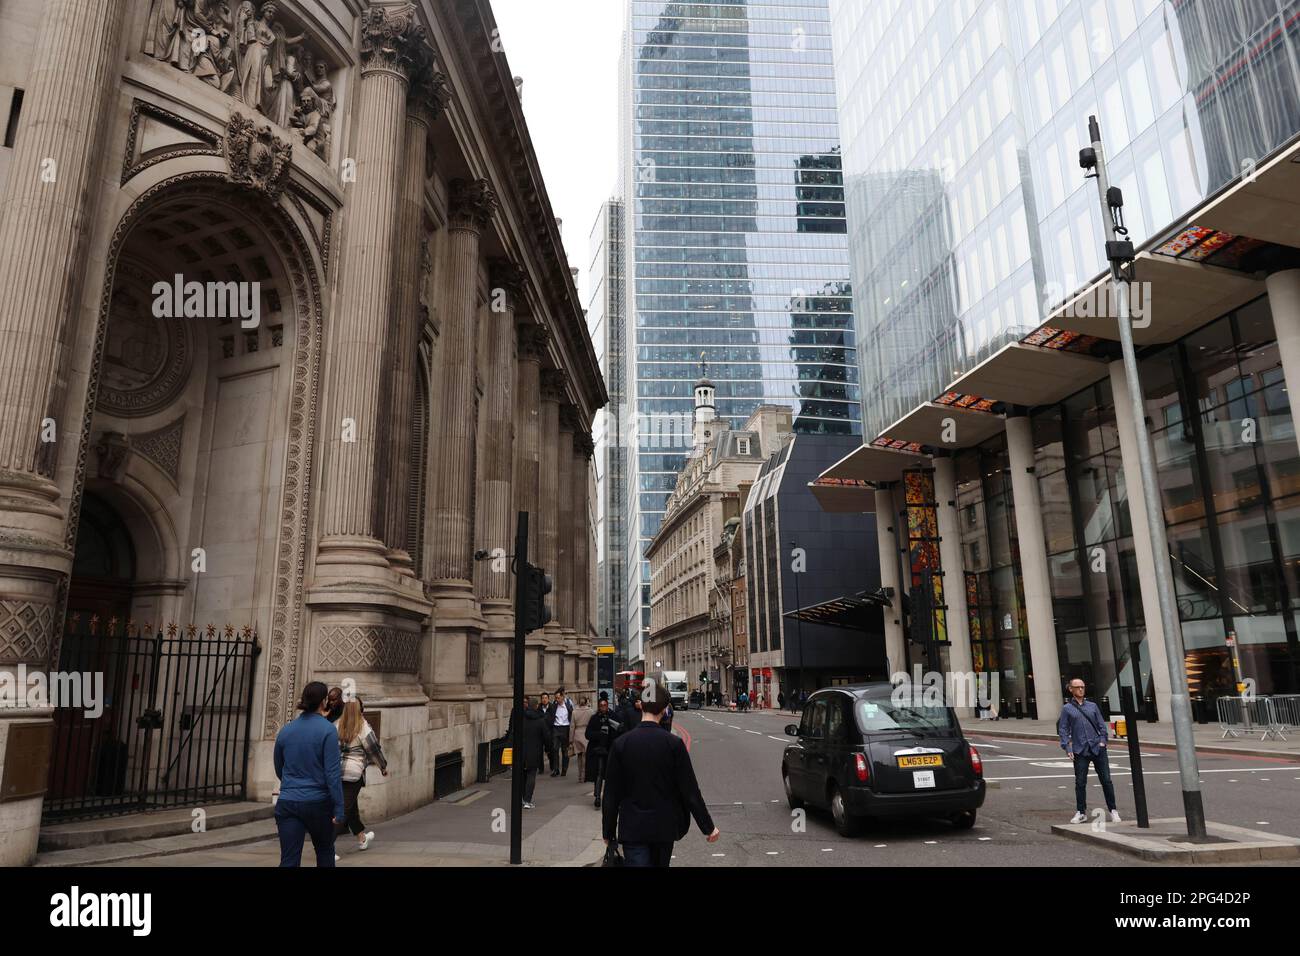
[567, 53]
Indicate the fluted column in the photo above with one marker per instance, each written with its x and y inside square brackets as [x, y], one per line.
[582, 451]
[553, 393]
[531, 342]
[454, 440]
[392, 50]
[425, 102]
[495, 487]
[569, 426]
[46, 211]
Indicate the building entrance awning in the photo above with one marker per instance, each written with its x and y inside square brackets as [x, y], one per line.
[1028, 375]
[1265, 206]
[862, 612]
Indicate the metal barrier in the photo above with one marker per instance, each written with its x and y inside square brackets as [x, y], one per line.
[1286, 713]
[1258, 715]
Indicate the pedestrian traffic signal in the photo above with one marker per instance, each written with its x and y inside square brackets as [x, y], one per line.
[537, 610]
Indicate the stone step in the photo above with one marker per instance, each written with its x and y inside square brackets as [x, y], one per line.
[132, 828]
[106, 853]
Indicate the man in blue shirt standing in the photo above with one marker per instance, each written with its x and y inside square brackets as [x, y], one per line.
[311, 780]
[1083, 737]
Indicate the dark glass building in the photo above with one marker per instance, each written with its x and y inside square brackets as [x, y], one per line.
[738, 256]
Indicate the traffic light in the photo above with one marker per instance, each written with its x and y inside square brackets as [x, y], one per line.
[537, 610]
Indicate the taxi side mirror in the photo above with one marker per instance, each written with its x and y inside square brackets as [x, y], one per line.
[792, 730]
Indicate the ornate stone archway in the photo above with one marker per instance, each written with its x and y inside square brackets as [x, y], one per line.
[283, 640]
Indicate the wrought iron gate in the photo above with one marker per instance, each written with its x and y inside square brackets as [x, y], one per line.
[175, 723]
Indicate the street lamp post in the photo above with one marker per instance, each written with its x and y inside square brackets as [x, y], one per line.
[798, 621]
[1119, 252]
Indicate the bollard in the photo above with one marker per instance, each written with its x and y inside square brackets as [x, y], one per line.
[1020, 713]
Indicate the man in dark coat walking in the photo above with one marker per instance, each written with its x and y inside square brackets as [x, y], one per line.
[534, 746]
[602, 730]
[650, 791]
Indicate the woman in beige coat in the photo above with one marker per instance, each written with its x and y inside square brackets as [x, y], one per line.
[581, 716]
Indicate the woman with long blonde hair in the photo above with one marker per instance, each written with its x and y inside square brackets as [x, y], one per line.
[359, 747]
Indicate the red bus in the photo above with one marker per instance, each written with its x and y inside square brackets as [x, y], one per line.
[628, 680]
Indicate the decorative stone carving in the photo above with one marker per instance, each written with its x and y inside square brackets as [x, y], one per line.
[112, 449]
[393, 39]
[162, 446]
[472, 204]
[554, 385]
[367, 647]
[26, 629]
[240, 49]
[570, 420]
[505, 275]
[532, 340]
[583, 445]
[257, 158]
[429, 95]
[148, 360]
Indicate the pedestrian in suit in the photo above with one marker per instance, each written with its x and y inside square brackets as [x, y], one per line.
[651, 793]
[559, 720]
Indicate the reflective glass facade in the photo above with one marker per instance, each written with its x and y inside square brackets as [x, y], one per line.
[735, 229]
[962, 121]
[607, 327]
[969, 218]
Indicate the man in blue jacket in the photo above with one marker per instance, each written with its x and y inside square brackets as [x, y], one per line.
[311, 780]
[1083, 737]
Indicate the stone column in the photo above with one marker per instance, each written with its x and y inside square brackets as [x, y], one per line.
[494, 497]
[960, 659]
[582, 451]
[1044, 658]
[887, 547]
[530, 340]
[453, 439]
[1145, 554]
[47, 208]
[1284, 302]
[392, 50]
[427, 98]
[554, 389]
[569, 426]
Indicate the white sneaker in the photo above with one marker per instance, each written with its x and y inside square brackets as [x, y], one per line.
[337, 857]
[529, 806]
[1079, 818]
[370, 836]
[1114, 816]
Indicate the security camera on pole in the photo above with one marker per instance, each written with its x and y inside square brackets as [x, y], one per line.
[1119, 252]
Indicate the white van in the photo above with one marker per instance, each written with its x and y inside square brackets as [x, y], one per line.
[676, 681]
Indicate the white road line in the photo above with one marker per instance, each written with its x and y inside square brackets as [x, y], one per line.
[755, 732]
[983, 839]
[828, 849]
[782, 740]
[1129, 773]
[772, 852]
[733, 726]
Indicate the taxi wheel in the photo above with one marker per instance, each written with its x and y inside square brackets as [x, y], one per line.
[790, 798]
[964, 820]
[846, 824]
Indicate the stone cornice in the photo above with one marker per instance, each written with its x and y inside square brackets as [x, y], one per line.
[471, 204]
[392, 40]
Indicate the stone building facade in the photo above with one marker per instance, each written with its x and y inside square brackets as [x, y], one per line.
[333, 456]
[691, 567]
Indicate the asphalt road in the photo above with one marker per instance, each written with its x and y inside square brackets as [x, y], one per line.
[737, 758]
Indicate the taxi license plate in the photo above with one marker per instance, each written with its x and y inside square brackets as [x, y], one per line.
[920, 760]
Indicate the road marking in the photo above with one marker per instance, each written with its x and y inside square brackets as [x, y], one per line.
[1261, 823]
[733, 726]
[781, 740]
[828, 849]
[983, 839]
[719, 854]
[1127, 773]
[931, 842]
[881, 846]
[772, 852]
[753, 732]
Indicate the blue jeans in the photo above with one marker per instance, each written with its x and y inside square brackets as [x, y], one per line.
[294, 820]
[647, 854]
[1102, 763]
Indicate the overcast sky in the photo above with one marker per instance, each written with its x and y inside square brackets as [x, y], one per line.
[567, 53]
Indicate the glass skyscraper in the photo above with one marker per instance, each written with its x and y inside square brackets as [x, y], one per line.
[731, 175]
[970, 220]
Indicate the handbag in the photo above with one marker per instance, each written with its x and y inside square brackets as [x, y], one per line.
[612, 856]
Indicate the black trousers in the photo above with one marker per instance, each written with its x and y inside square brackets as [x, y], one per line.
[530, 784]
[560, 746]
[647, 854]
[596, 770]
[351, 814]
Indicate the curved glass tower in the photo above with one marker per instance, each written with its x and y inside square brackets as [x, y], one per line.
[735, 226]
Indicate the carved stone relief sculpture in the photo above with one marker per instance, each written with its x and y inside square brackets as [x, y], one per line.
[241, 50]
